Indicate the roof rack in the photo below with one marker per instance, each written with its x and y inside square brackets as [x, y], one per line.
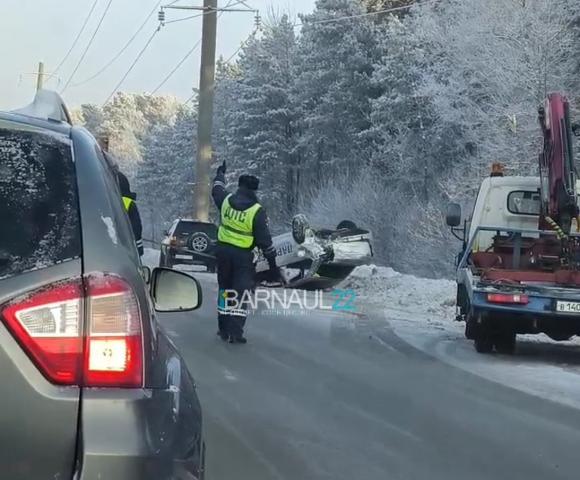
[47, 105]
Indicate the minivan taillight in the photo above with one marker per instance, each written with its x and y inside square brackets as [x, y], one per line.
[48, 324]
[114, 344]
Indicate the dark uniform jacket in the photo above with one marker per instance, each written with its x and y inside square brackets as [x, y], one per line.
[132, 212]
[243, 199]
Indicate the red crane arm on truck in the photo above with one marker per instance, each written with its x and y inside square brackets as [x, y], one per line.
[557, 169]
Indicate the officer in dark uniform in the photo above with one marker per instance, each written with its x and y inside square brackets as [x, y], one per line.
[243, 226]
[132, 210]
[129, 198]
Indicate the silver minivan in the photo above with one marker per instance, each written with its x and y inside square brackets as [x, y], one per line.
[92, 387]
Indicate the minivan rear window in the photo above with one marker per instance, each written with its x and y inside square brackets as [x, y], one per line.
[39, 216]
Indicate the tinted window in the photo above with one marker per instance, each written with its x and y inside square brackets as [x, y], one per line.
[187, 228]
[39, 218]
[524, 202]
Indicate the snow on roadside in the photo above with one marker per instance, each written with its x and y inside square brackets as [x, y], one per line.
[383, 286]
[421, 312]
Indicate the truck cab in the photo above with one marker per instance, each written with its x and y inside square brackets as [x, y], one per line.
[512, 277]
[512, 202]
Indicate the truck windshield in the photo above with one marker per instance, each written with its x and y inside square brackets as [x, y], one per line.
[38, 201]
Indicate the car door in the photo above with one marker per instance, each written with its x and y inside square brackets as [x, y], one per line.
[40, 303]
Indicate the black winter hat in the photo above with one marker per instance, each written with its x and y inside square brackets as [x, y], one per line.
[249, 181]
[123, 183]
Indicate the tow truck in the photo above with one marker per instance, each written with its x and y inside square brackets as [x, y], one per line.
[519, 267]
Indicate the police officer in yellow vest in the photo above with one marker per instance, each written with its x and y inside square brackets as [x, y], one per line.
[132, 210]
[129, 198]
[243, 226]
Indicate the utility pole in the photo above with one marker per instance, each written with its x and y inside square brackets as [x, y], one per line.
[40, 76]
[206, 95]
[205, 115]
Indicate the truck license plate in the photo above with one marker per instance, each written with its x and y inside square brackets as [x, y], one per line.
[568, 307]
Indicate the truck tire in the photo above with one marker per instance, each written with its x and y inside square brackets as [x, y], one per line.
[470, 329]
[505, 343]
[483, 343]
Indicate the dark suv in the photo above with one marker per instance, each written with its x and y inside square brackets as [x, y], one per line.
[92, 388]
[189, 242]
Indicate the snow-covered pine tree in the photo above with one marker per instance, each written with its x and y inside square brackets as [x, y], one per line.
[493, 63]
[260, 122]
[334, 89]
[164, 180]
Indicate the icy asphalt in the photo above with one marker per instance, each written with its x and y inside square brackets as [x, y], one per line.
[342, 396]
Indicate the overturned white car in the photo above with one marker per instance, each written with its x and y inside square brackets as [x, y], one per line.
[314, 258]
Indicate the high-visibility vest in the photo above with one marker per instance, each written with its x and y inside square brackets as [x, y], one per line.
[127, 202]
[236, 226]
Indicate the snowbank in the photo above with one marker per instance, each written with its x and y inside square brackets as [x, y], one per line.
[383, 286]
[422, 311]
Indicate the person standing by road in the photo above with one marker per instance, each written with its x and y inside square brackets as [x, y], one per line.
[129, 198]
[130, 204]
[243, 226]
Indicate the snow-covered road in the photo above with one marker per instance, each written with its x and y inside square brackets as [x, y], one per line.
[421, 312]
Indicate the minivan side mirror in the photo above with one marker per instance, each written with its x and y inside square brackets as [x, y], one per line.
[174, 291]
[453, 216]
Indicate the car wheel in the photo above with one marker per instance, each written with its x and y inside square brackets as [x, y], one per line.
[199, 242]
[505, 343]
[346, 225]
[483, 343]
[299, 227]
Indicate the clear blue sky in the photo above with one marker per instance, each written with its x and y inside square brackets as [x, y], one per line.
[34, 30]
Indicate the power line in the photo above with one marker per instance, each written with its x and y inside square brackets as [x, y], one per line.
[367, 14]
[245, 4]
[133, 64]
[242, 45]
[116, 57]
[76, 40]
[193, 49]
[197, 15]
[186, 18]
[258, 27]
[181, 62]
[88, 46]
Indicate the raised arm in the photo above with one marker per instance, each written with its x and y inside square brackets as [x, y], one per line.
[219, 192]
